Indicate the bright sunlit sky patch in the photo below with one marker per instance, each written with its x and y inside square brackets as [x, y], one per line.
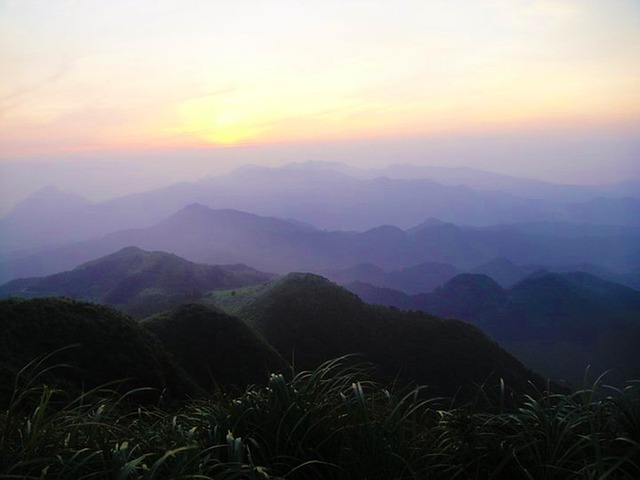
[121, 75]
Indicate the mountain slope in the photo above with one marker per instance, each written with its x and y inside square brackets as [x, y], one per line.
[544, 305]
[228, 236]
[558, 323]
[380, 295]
[215, 348]
[331, 200]
[47, 217]
[137, 282]
[503, 271]
[420, 278]
[110, 347]
[466, 296]
[309, 319]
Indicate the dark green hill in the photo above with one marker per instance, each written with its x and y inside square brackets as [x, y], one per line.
[309, 319]
[111, 347]
[137, 282]
[215, 348]
[558, 323]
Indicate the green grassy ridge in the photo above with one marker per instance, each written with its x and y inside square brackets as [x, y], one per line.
[215, 348]
[304, 317]
[236, 301]
[329, 423]
[309, 319]
[106, 345]
[179, 354]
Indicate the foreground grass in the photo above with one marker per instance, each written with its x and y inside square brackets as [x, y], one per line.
[324, 424]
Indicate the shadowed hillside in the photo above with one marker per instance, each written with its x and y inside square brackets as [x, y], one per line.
[557, 323]
[309, 319]
[215, 348]
[110, 347]
[544, 306]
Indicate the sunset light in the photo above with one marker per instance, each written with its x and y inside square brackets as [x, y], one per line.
[320, 239]
[232, 73]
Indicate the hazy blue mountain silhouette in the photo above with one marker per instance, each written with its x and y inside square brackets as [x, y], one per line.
[420, 278]
[324, 197]
[490, 181]
[504, 271]
[201, 234]
[540, 319]
[136, 281]
[507, 273]
[545, 305]
[47, 217]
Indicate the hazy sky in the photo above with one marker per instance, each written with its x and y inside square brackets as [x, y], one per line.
[549, 89]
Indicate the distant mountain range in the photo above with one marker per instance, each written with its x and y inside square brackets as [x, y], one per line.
[201, 234]
[532, 264]
[575, 311]
[498, 251]
[420, 278]
[484, 181]
[425, 277]
[137, 282]
[568, 310]
[323, 195]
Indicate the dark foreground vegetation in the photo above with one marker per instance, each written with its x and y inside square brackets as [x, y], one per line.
[329, 423]
[194, 348]
[188, 393]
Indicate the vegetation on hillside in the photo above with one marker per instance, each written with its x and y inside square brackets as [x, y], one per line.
[329, 423]
[102, 412]
[100, 346]
[309, 320]
[217, 350]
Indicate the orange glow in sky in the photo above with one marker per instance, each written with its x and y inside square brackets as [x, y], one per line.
[125, 74]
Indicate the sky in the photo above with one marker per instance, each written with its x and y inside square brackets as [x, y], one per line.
[548, 89]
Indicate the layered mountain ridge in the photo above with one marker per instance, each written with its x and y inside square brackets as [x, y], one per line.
[137, 282]
[201, 234]
[573, 319]
[331, 197]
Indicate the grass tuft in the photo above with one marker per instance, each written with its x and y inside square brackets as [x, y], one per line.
[329, 423]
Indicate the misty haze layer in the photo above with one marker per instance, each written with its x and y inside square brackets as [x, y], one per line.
[329, 197]
[593, 156]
